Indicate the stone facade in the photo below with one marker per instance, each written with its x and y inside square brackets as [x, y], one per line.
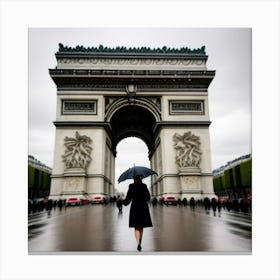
[103, 98]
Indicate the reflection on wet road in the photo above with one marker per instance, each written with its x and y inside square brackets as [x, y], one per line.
[99, 228]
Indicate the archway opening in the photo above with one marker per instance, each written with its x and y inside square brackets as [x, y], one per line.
[133, 121]
[130, 151]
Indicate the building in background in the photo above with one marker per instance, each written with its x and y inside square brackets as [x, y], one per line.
[234, 180]
[39, 178]
[38, 164]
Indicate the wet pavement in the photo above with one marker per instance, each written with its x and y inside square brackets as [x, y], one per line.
[100, 228]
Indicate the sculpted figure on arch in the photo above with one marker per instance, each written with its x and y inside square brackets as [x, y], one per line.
[188, 149]
[78, 150]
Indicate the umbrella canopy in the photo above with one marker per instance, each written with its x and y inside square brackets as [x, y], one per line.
[134, 171]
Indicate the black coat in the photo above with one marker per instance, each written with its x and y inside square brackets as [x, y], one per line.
[139, 215]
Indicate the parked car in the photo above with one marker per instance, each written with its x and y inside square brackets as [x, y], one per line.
[98, 199]
[170, 200]
[73, 201]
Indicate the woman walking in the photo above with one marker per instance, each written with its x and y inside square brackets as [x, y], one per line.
[139, 215]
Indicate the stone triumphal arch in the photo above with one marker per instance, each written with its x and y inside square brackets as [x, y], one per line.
[105, 95]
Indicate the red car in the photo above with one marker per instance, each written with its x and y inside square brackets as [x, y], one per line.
[98, 200]
[170, 200]
[73, 201]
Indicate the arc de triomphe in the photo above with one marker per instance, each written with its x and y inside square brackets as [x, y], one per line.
[105, 95]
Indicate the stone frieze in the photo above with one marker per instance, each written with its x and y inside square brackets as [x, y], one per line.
[130, 61]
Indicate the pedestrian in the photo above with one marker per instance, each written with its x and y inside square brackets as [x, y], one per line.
[154, 202]
[214, 205]
[235, 205]
[192, 203]
[250, 204]
[185, 202]
[49, 206]
[206, 203]
[119, 203]
[245, 205]
[114, 199]
[219, 204]
[229, 204]
[60, 204]
[179, 202]
[139, 215]
[46, 203]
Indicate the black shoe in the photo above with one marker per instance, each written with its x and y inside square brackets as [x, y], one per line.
[139, 248]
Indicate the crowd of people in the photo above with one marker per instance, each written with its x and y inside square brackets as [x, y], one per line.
[41, 204]
[241, 204]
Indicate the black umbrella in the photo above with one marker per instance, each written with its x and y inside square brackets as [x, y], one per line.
[141, 171]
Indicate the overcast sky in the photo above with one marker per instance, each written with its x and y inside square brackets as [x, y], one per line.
[229, 53]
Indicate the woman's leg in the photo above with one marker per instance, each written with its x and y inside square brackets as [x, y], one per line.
[141, 234]
[138, 236]
[137, 233]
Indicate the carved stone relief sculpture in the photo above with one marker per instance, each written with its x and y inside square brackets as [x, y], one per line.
[187, 146]
[78, 150]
